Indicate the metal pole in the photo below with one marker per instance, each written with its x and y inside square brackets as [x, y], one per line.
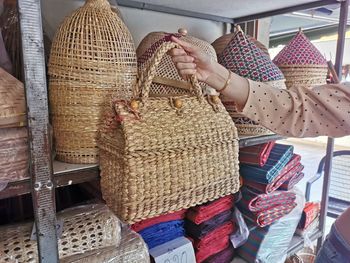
[343, 17]
[43, 191]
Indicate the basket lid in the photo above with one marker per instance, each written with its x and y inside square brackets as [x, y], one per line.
[12, 101]
[240, 54]
[300, 51]
[167, 70]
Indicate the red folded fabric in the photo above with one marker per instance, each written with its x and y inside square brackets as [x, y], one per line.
[290, 170]
[202, 213]
[225, 256]
[310, 213]
[216, 247]
[139, 226]
[257, 154]
[291, 182]
[207, 241]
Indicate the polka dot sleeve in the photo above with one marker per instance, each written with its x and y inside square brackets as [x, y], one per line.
[300, 111]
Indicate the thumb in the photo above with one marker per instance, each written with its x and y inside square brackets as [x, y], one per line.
[185, 45]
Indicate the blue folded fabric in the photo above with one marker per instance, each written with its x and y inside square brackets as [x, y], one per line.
[161, 233]
[280, 155]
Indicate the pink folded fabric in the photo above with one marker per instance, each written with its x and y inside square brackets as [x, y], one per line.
[139, 226]
[290, 183]
[290, 170]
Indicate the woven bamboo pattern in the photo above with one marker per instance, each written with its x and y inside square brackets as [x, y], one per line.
[301, 63]
[9, 24]
[13, 155]
[12, 101]
[92, 60]
[164, 154]
[243, 55]
[167, 70]
[84, 229]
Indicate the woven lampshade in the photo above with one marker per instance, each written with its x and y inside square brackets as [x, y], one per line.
[12, 101]
[239, 53]
[167, 81]
[302, 63]
[92, 61]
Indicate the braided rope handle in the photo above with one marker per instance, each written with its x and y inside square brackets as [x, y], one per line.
[147, 76]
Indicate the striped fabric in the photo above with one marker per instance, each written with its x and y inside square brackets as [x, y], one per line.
[290, 183]
[264, 209]
[256, 155]
[270, 244]
[278, 159]
[289, 171]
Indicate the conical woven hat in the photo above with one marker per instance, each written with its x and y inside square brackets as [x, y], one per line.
[12, 102]
[168, 81]
[243, 57]
[300, 52]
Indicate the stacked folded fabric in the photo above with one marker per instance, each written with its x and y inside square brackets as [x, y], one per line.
[266, 168]
[210, 226]
[309, 219]
[161, 229]
[271, 243]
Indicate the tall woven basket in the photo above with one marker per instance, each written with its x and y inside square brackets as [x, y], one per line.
[167, 81]
[167, 153]
[302, 63]
[240, 54]
[92, 60]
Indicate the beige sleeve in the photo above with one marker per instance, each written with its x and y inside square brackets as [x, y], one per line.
[300, 111]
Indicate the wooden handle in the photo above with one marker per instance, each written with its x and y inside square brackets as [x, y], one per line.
[333, 72]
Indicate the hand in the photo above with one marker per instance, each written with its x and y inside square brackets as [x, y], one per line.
[190, 60]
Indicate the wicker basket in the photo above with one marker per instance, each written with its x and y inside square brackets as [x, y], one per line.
[167, 153]
[240, 54]
[301, 63]
[13, 155]
[84, 229]
[92, 60]
[167, 81]
[12, 101]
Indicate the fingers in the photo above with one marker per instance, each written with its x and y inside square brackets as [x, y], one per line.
[183, 59]
[185, 45]
[184, 73]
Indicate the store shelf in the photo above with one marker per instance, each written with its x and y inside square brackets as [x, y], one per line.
[245, 141]
[64, 174]
[297, 242]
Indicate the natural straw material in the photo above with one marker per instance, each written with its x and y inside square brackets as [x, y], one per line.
[84, 229]
[167, 81]
[12, 101]
[167, 154]
[301, 63]
[92, 60]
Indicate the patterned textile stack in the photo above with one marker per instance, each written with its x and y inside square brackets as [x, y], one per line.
[309, 219]
[240, 54]
[271, 243]
[302, 63]
[161, 229]
[266, 168]
[210, 226]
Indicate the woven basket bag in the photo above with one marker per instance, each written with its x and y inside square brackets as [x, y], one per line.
[92, 60]
[163, 154]
[167, 80]
[85, 228]
[240, 54]
[301, 63]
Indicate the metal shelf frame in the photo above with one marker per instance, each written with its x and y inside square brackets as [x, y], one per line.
[43, 180]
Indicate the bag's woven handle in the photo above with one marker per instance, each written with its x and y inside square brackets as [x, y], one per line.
[150, 72]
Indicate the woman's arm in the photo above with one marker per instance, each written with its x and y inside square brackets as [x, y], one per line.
[298, 112]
